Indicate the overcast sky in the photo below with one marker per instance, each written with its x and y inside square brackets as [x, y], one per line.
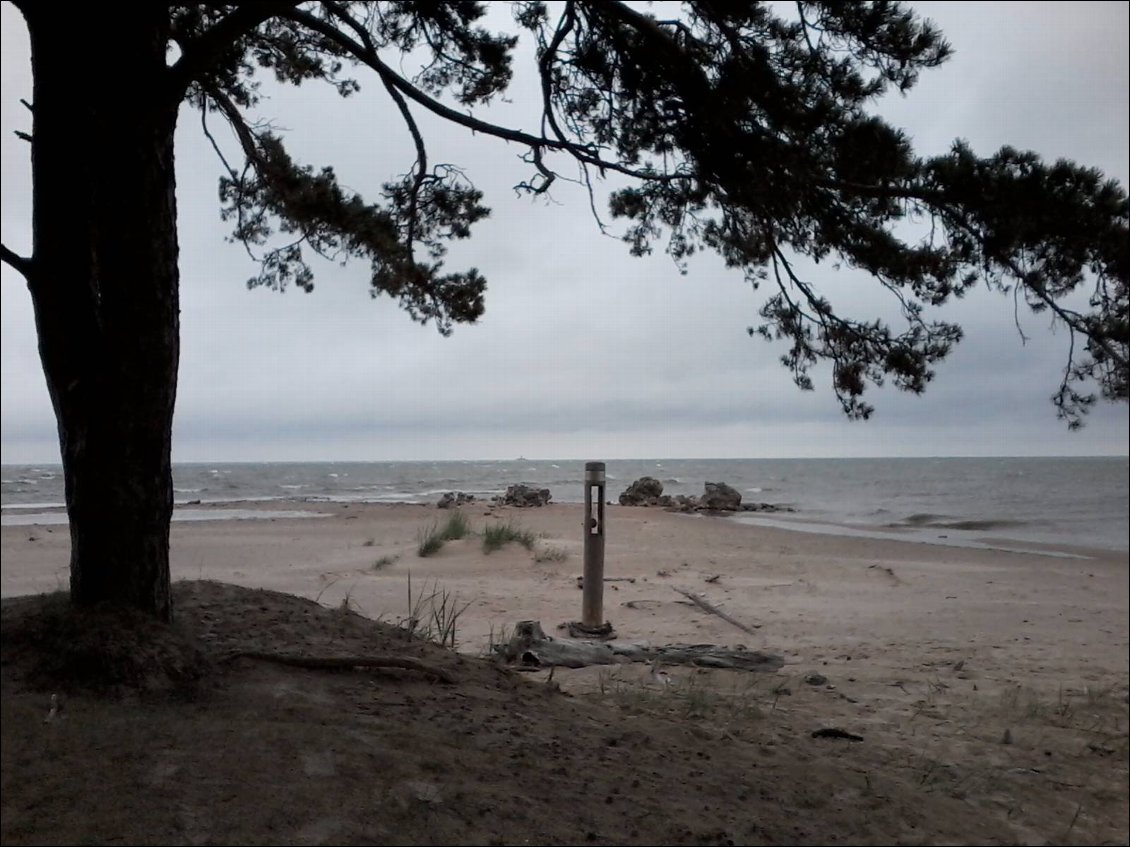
[584, 351]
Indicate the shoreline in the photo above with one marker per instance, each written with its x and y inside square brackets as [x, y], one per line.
[33, 515]
[1071, 501]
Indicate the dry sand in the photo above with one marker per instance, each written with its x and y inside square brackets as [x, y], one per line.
[989, 686]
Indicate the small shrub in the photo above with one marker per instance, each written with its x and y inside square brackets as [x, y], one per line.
[551, 554]
[384, 562]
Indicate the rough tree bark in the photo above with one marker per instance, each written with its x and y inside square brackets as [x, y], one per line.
[104, 284]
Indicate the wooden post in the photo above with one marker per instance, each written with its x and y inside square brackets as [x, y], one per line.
[592, 605]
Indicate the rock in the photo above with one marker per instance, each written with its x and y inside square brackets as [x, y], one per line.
[716, 497]
[645, 491]
[454, 498]
[766, 507]
[685, 503]
[719, 497]
[816, 679]
[524, 496]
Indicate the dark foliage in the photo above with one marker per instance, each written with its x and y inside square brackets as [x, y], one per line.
[745, 130]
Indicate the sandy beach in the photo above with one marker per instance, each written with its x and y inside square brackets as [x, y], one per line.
[1055, 618]
[995, 679]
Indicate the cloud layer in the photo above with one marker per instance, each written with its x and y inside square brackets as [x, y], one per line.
[585, 352]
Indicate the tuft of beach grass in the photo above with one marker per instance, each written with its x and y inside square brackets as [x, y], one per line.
[431, 538]
[499, 535]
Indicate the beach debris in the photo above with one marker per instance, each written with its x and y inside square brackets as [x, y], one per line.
[888, 571]
[425, 792]
[836, 732]
[299, 660]
[577, 629]
[581, 579]
[713, 578]
[710, 608]
[659, 677]
[454, 499]
[524, 496]
[53, 712]
[529, 648]
[641, 604]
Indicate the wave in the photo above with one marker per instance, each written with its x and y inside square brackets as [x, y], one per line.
[926, 520]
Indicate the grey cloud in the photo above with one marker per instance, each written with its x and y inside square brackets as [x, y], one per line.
[585, 351]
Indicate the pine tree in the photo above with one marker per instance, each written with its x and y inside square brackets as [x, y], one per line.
[736, 127]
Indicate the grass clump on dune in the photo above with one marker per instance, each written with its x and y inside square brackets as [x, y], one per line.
[498, 536]
[431, 538]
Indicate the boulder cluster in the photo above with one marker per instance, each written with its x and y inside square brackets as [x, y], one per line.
[524, 496]
[716, 497]
[645, 491]
[454, 499]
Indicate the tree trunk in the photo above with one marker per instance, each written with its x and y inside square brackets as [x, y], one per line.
[104, 285]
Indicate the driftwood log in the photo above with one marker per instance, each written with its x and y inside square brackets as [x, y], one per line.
[710, 608]
[530, 648]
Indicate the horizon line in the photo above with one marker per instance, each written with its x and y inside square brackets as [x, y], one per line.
[58, 463]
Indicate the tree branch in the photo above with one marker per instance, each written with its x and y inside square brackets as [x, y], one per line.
[369, 57]
[201, 53]
[939, 204]
[405, 112]
[421, 162]
[22, 264]
[238, 125]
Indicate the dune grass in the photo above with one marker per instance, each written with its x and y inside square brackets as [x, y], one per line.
[433, 614]
[431, 538]
[384, 561]
[499, 535]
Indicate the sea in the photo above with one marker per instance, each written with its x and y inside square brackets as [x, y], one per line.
[1059, 501]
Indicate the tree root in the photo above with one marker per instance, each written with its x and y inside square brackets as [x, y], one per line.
[344, 663]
